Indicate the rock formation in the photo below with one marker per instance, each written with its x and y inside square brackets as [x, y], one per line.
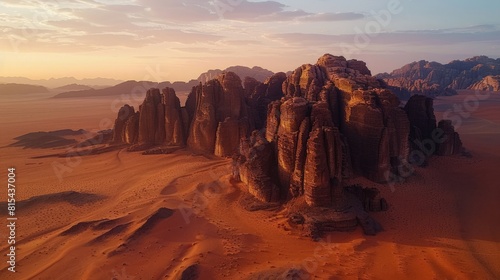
[159, 121]
[125, 129]
[260, 95]
[488, 83]
[152, 119]
[452, 145]
[420, 111]
[375, 129]
[220, 116]
[297, 138]
[256, 167]
[432, 78]
[258, 73]
[250, 84]
[425, 135]
[174, 124]
[334, 119]
[293, 112]
[227, 137]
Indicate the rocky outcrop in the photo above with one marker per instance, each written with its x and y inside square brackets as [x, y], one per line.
[213, 121]
[174, 124]
[425, 136]
[204, 123]
[261, 95]
[334, 119]
[152, 119]
[273, 120]
[451, 144]
[293, 112]
[297, 178]
[256, 167]
[322, 124]
[219, 117]
[132, 129]
[433, 78]
[160, 120]
[420, 111]
[250, 85]
[375, 127]
[317, 188]
[119, 131]
[258, 73]
[488, 83]
[227, 138]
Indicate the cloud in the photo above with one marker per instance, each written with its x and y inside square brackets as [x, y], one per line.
[486, 33]
[238, 10]
[332, 17]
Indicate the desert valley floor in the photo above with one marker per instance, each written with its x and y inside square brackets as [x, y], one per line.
[443, 223]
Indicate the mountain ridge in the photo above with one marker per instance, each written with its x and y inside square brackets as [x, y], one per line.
[432, 78]
[258, 73]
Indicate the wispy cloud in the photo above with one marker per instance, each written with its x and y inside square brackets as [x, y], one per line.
[483, 33]
[246, 11]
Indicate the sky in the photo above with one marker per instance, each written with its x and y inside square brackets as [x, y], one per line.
[176, 40]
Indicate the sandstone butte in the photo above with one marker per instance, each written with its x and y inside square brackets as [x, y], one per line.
[297, 137]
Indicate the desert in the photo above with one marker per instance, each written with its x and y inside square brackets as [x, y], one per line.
[124, 215]
[249, 139]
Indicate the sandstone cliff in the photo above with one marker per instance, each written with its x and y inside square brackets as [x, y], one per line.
[335, 118]
[220, 116]
[160, 120]
[309, 130]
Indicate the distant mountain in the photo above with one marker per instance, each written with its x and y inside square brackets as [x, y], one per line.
[14, 89]
[59, 82]
[488, 83]
[433, 78]
[258, 73]
[129, 87]
[72, 87]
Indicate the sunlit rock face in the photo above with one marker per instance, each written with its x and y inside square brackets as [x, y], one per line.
[220, 117]
[488, 83]
[335, 120]
[296, 135]
[125, 128]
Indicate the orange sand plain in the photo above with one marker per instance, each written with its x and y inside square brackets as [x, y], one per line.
[443, 223]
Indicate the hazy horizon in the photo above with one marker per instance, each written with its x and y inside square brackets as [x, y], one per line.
[172, 41]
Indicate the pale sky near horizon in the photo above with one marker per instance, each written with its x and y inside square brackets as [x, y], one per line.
[177, 40]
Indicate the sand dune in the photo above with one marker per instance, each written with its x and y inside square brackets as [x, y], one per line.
[122, 215]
